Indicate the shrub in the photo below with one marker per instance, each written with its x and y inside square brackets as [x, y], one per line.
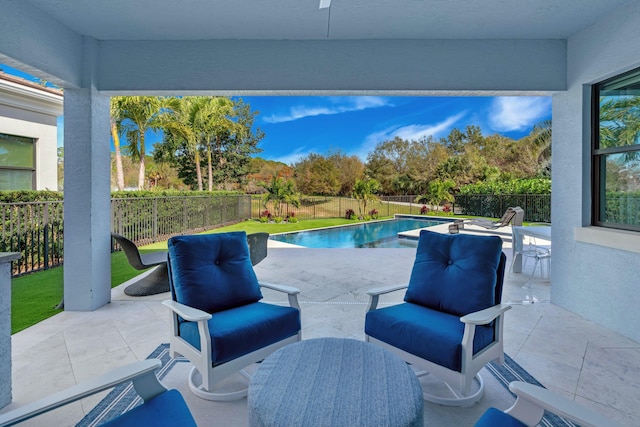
[278, 219]
[373, 213]
[263, 219]
[350, 214]
[291, 217]
[446, 208]
[424, 210]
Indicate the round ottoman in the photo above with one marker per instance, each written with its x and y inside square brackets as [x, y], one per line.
[334, 382]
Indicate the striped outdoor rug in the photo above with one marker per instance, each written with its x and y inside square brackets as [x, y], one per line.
[122, 398]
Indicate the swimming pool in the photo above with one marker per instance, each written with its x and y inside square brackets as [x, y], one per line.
[378, 234]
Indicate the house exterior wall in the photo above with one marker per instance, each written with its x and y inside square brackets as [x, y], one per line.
[31, 112]
[594, 271]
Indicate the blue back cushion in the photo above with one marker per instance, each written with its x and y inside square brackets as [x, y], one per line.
[212, 272]
[455, 273]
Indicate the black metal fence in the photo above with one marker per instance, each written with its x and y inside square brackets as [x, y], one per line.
[148, 220]
[318, 207]
[36, 229]
[537, 207]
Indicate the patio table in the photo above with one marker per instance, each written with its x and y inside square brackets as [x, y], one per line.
[334, 382]
[519, 232]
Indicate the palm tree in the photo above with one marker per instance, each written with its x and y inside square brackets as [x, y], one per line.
[279, 192]
[186, 125]
[219, 124]
[115, 134]
[541, 142]
[139, 114]
[364, 191]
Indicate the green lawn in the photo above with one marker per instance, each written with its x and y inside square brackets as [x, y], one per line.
[35, 296]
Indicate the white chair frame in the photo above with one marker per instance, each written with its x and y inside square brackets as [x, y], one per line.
[142, 374]
[458, 382]
[533, 400]
[202, 363]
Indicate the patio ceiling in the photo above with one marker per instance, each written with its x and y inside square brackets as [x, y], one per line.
[345, 19]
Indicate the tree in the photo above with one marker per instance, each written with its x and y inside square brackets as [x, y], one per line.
[349, 168]
[402, 167]
[439, 191]
[364, 191]
[116, 122]
[316, 175]
[218, 125]
[196, 130]
[137, 115]
[60, 168]
[279, 192]
[236, 145]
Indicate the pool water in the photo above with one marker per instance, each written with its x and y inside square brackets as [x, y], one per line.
[378, 234]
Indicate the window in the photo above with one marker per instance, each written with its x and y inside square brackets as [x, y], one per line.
[616, 152]
[17, 162]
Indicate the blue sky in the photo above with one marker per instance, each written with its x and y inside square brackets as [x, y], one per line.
[298, 126]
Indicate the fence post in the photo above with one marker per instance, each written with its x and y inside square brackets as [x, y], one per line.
[155, 220]
[45, 220]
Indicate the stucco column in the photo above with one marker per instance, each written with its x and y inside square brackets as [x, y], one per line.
[87, 261]
[5, 326]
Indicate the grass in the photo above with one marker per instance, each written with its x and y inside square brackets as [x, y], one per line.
[34, 297]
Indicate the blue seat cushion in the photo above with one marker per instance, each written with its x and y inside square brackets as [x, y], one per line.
[167, 409]
[426, 333]
[455, 273]
[241, 330]
[496, 418]
[212, 272]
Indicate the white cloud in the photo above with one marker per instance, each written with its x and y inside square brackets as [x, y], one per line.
[511, 113]
[336, 105]
[409, 133]
[294, 156]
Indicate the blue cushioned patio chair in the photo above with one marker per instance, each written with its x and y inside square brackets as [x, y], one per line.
[161, 407]
[218, 322]
[451, 322]
[530, 405]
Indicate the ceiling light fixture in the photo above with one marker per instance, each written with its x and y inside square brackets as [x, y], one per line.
[324, 4]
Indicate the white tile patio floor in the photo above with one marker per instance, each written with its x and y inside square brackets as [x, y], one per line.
[565, 352]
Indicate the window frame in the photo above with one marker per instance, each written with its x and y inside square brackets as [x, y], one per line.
[31, 169]
[598, 155]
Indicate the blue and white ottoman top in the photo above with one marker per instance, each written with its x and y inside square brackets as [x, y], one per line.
[334, 382]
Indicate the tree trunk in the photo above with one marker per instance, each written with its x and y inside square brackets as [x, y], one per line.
[116, 144]
[198, 170]
[210, 167]
[141, 171]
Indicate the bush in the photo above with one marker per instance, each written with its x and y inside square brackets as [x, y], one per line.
[350, 214]
[29, 196]
[373, 213]
[424, 210]
[277, 219]
[516, 186]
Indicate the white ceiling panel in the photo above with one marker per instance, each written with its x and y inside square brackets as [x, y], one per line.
[344, 19]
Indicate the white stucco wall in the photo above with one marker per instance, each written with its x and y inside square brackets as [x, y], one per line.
[30, 112]
[602, 283]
